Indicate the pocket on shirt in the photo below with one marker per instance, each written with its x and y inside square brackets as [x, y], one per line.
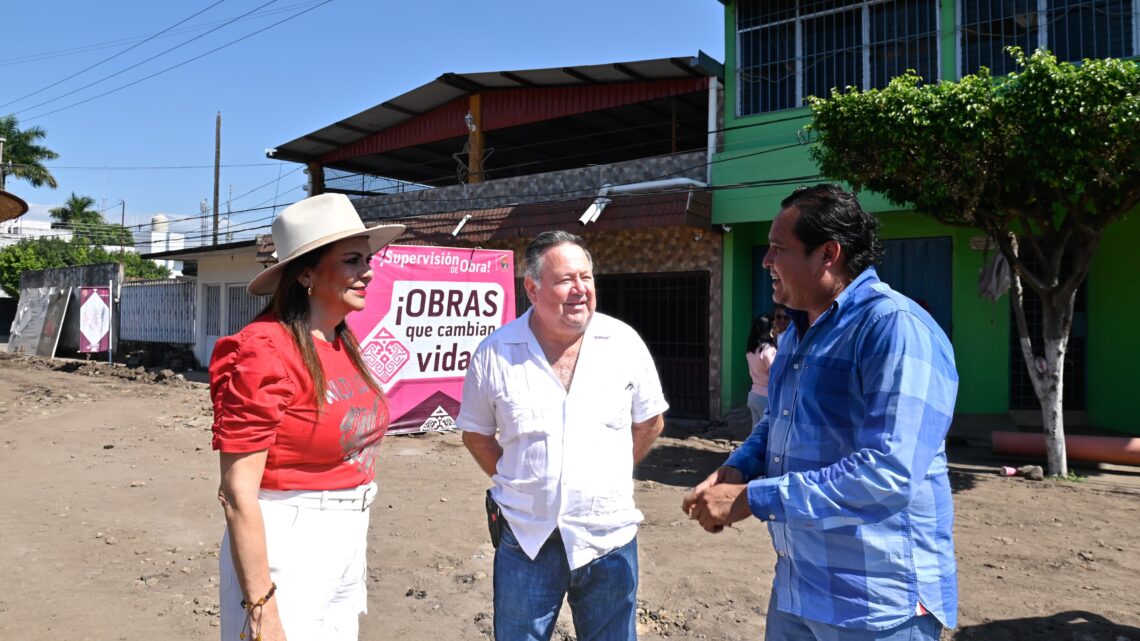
[617, 414]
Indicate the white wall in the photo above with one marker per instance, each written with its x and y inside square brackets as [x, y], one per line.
[224, 270]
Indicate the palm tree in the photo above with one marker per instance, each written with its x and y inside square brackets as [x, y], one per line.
[23, 158]
[77, 212]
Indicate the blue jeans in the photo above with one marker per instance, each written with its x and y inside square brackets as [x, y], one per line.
[782, 626]
[528, 594]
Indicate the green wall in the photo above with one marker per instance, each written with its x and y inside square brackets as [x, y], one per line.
[767, 147]
[1113, 339]
[981, 328]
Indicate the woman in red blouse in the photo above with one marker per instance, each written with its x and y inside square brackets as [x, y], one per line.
[297, 422]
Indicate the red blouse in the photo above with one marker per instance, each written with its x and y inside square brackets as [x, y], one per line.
[263, 399]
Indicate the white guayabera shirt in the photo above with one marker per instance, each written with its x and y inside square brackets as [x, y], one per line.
[567, 456]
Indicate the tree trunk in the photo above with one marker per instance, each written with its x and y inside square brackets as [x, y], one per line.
[1057, 322]
[1048, 381]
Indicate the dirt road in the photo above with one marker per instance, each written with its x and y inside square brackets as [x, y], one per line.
[110, 531]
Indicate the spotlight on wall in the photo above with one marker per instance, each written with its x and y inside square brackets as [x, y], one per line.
[726, 229]
[459, 226]
[594, 210]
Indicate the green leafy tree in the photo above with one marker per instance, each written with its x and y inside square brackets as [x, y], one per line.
[78, 210]
[24, 157]
[86, 223]
[1042, 160]
[45, 253]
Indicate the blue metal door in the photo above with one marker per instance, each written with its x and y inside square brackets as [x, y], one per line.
[919, 268]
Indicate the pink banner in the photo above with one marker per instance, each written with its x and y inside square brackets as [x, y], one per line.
[94, 319]
[428, 309]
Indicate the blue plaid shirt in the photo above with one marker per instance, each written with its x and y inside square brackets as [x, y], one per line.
[848, 465]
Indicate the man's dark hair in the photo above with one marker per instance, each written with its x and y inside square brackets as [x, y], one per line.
[544, 242]
[829, 213]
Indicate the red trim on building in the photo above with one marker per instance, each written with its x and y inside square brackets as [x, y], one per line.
[503, 108]
[513, 107]
[440, 123]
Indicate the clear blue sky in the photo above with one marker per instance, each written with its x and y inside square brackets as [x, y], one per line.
[334, 61]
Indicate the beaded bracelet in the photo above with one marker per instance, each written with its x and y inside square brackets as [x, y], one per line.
[262, 601]
[255, 635]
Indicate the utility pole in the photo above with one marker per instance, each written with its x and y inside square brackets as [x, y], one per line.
[217, 170]
[122, 231]
[475, 139]
[2, 173]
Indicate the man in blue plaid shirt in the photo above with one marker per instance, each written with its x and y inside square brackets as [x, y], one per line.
[848, 464]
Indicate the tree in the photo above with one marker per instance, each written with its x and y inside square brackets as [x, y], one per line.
[23, 156]
[88, 224]
[45, 253]
[1042, 160]
[78, 210]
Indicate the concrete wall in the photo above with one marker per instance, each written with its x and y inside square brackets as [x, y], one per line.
[235, 268]
[76, 277]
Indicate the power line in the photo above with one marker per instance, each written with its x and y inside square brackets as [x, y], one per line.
[112, 57]
[154, 167]
[137, 64]
[183, 63]
[276, 180]
[58, 53]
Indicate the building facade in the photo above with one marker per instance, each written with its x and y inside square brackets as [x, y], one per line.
[778, 53]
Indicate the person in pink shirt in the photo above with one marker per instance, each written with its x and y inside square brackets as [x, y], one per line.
[761, 353]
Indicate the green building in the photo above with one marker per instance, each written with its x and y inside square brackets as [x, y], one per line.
[778, 52]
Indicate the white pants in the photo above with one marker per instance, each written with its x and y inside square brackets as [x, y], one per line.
[316, 542]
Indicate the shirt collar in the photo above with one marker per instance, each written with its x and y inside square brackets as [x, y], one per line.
[865, 279]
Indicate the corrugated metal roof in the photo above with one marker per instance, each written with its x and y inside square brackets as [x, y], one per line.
[450, 86]
[528, 220]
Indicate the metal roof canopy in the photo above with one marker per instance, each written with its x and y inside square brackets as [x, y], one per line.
[569, 141]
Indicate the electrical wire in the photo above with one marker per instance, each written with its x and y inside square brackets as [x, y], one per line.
[59, 53]
[112, 57]
[140, 63]
[173, 67]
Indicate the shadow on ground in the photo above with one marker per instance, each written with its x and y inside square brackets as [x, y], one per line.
[1075, 625]
[678, 465]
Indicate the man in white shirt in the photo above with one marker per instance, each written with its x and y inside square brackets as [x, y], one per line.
[558, 406]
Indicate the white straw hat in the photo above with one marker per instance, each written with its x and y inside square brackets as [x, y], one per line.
[312, 223]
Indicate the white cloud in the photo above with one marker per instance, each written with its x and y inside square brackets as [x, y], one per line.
[38, 212]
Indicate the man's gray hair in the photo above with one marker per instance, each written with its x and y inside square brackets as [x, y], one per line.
[546, 241]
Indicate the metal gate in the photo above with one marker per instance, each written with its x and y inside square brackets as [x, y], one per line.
[670, 311]
[158, 311]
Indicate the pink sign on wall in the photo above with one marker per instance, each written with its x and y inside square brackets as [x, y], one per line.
[428, 309]
[94, 319]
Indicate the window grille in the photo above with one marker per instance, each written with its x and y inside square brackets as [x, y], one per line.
[242, 307]
[1072, 29]
[213, 296]
[787, 50]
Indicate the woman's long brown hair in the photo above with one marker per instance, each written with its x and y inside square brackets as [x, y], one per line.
[290, 304]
